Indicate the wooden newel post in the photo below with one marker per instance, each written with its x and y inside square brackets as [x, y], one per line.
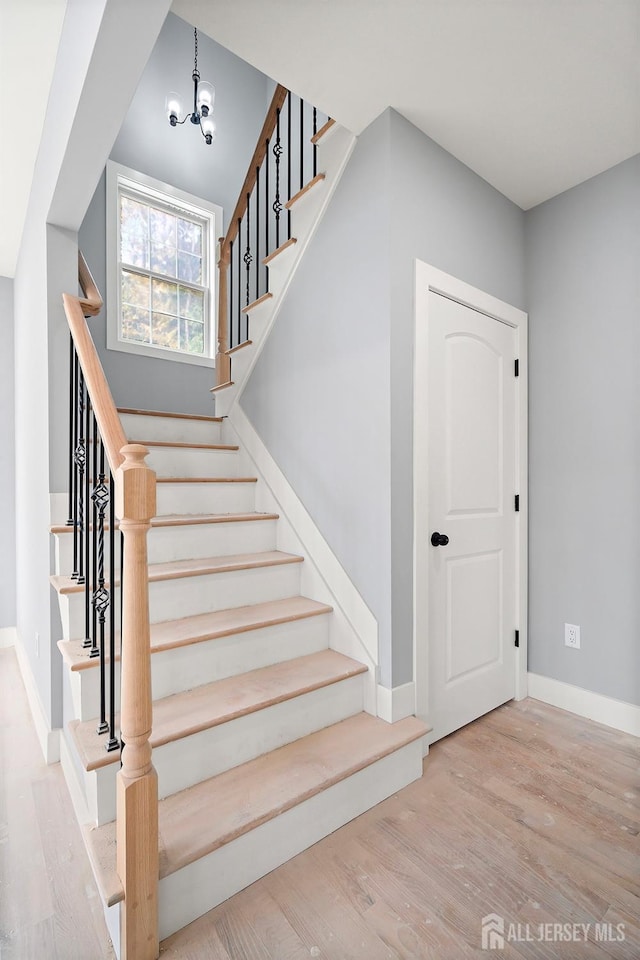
[223, 362]
[137, 782]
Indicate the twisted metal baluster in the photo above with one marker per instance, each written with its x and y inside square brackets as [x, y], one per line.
[277, 152]
[101, 599]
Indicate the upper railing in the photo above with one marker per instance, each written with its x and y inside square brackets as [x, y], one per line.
[283, 164]
[108, 478]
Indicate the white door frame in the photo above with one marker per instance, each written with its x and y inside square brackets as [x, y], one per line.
[428, 280]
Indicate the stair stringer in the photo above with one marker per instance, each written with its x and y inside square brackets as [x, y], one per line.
[334, 151]
[354, 629]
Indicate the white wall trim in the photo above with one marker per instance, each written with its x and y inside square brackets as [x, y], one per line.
[49, 739]
[344, 593]
[585, 703]
[396, 703]
[8, 637]
[428, 280]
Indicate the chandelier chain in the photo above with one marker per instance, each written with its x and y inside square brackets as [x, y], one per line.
[195, 44]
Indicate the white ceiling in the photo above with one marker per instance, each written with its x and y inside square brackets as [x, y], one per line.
[29, 36]
[534, 95]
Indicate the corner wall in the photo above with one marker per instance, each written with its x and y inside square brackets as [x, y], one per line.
[7, 460]
[583, 294]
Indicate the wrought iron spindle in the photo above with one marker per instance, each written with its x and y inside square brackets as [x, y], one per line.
[289, 163]
[72, 407]
[86, 494]
[239, 294]
[80, 458]
[92, 534]
[266, 212]
[247, 253]
[74, 443]
[277, 152]
[315, 145]
[101, 598]
[301, 143]
[113, 743]
[231, 293]
[257, 233]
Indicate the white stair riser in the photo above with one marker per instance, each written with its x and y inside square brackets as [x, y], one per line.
[193, 462]
[137, 427]
[186, 542]
[182, 668]
[182, 763]
[197, 888]
[187, 596]
[205, 498]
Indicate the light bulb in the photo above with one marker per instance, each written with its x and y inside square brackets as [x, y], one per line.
[208, 128]
[206, 98]
[173, 108]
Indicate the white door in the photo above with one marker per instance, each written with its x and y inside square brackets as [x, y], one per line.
[472, 450]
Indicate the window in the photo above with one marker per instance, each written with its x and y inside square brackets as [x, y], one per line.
[160, 267]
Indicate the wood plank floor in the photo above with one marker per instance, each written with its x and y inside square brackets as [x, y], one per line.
[530, 813]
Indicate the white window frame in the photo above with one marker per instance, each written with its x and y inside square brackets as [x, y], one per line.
[124, 179]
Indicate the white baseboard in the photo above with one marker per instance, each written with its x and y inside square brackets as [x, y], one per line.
[49, 739]
[585, 703]
[343, 592]
[8, 637]
[396, 703]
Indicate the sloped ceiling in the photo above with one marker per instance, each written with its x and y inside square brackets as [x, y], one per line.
[534, 95]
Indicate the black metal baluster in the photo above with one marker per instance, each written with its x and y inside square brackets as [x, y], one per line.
[88, 640]
[257, 233]
[277, 152]
[231, 293]
[80, 456]
[301, 143]
[247, 253]
[93, 536]
[315, 145]
[289, 163]
[72, 405]
[100, 497]
[76, 394]
[113, 743]
[266, 213]
[239, 270]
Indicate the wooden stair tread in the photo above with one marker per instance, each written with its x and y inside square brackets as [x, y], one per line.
[206, 479]
[184, 714]
[177, 569]
[186, 519]
[322, 131]
[276, 253]
[208, 626]
[203, 818]
[221, 386]
[319, 177]
[240, 346]
[188, 446]
[256, 303]
[175, 416]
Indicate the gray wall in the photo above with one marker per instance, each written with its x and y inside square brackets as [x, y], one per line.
[331, 394]
[180, 157]
[583, 256]
[7, 461]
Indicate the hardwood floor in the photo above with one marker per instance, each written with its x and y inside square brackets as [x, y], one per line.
[530, 813]
[49, 903]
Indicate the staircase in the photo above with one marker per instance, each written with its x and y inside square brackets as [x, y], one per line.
[259, 736]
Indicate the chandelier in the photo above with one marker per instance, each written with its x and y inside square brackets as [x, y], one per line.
[203, 98]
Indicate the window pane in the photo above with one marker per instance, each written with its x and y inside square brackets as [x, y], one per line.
[135, 289]
[162, 227]
[135, 252]
[165, 331]
[134, 237]
[165, 296]
[163, 259]
[193, 336]
[135, 324]
[189, 237]
[189, 267]
[192, 304]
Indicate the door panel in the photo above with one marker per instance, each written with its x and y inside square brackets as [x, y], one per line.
[471, 428]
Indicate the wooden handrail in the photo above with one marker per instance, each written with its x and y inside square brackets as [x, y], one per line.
[135, 505]
[223, 361]
[259, 154]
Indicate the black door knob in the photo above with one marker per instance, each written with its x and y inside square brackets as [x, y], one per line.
[439, 539]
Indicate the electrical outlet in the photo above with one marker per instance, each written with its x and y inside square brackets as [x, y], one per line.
[37, 644]
[572, 636]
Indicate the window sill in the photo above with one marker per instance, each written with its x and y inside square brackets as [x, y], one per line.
[159, 353]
